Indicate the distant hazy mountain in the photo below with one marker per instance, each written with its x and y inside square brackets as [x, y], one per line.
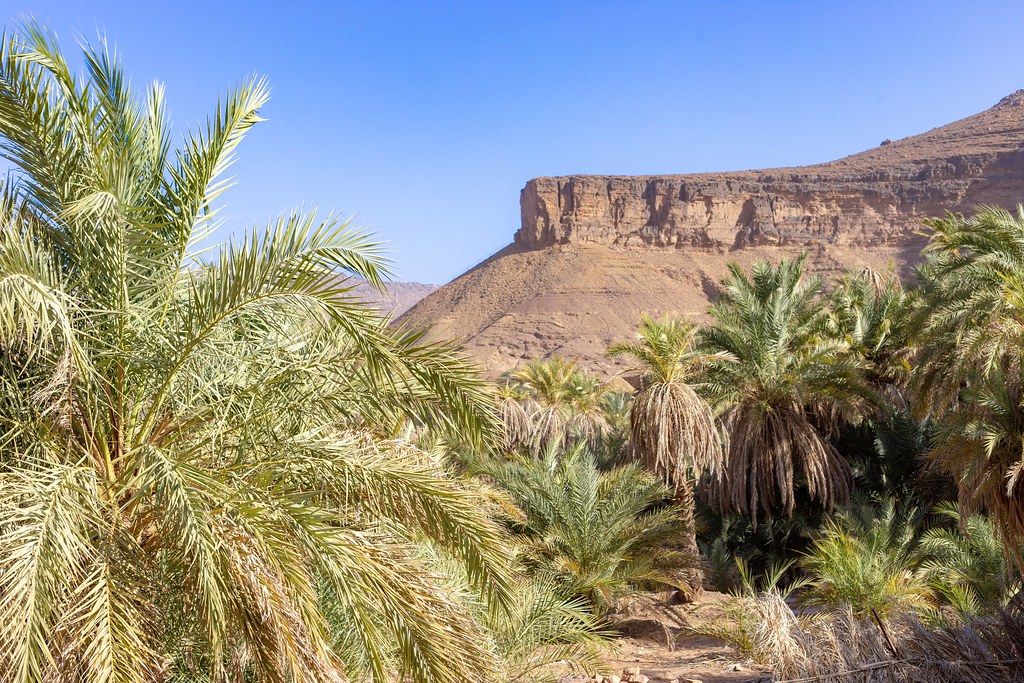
[400, 296]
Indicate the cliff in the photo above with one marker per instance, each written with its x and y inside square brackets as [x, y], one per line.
[594, 252]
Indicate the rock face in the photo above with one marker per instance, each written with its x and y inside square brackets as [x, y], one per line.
[594, 252]
[874, 198]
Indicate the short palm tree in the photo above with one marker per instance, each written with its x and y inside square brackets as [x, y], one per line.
[673, 429]
[782, 382]
[597, 533]
[865, 559]
[546, 632]
[196, 468]
[967, 563]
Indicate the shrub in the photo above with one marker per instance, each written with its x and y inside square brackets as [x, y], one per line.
[599, 533]
[865, 560]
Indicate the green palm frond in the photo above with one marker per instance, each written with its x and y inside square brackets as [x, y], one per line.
[201, 473]
[782, 383]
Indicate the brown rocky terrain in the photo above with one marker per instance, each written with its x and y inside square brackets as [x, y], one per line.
[595, 252]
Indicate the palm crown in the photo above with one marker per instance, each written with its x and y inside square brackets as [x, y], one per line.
[196, 457]
[783, 380]
[673, 428]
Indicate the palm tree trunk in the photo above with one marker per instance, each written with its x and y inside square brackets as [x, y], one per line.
[693, 576]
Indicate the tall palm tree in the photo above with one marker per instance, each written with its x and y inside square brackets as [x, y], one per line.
[786, 382]
[195, 459]
[972, 320]
[968, 369]
[673, 429]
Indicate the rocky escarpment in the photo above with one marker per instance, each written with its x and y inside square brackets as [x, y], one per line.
[875, 198]
[594, 252]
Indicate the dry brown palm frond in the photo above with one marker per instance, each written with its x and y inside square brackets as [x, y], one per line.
[547, 428]
[778, 636]
[669, 420]
[557, 404]
[836, 646]
[515, 420]
[768, 451]
[591, 428]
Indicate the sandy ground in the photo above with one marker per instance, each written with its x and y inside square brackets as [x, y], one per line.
[656, 639]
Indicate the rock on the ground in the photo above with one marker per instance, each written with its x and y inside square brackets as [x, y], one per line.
[579, 678]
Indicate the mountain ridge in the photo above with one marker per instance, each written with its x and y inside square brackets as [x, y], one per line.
[593, 252]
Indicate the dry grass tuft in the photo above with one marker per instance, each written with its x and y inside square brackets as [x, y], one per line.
[836, 646]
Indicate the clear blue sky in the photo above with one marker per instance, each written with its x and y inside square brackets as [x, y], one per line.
[425, 119]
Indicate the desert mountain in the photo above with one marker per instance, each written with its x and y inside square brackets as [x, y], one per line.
[397, 298]
[594, 252]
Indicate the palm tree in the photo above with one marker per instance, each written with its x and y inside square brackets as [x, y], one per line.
[558, 403]
[967, 562]
[973, 291]
[781, 383]
[872, 313]
[865, 558]
[968, 369]
[597, 533]
[196, 467]
[545, 634]
[979, 446]
[673, 429]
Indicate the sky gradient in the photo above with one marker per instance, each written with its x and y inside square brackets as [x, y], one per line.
[425, 119]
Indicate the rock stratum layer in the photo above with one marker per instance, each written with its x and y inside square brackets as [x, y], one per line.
[595, 252]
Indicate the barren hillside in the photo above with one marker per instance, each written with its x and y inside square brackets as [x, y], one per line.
[594, 252]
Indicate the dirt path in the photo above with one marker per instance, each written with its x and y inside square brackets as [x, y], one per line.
[655, 639]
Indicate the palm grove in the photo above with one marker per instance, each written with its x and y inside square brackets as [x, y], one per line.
[229, 467]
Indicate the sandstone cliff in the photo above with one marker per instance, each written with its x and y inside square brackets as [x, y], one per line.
[594, 252]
